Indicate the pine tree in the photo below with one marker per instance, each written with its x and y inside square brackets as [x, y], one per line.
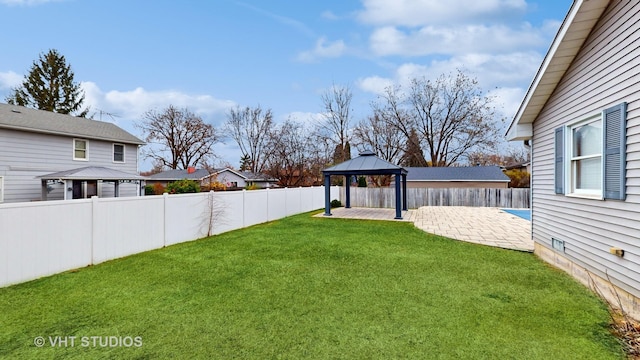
[413, 156]
[50, 86]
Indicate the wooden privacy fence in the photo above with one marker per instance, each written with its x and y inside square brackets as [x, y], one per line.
[416, 197]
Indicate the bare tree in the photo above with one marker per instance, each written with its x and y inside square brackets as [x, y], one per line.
[451, 115]
[379, 136]
[250, 128]
[337, 118]
[289, 154]
[181, 138]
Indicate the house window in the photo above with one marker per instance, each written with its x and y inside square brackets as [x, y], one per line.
[585, 173]
[590, 159]
[118, 153]
[80, 149]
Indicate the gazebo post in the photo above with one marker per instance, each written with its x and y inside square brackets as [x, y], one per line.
[327, 195]
[43, 190]
[404, 192]
[347, 191]
[398, 211]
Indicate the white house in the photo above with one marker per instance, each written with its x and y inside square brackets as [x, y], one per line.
[581, 116]
[50, 156]
[230, 178]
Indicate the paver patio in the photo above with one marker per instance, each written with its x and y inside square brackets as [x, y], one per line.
[480, 225]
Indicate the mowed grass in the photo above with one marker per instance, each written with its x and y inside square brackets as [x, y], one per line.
[316, 288]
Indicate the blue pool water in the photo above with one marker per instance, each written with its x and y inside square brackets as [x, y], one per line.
[525, 214]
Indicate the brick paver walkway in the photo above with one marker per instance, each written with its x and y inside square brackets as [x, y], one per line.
[480, 225]
[486, 226]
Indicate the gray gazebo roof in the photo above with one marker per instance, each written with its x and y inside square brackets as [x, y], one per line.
[365, 164]
[91, 173]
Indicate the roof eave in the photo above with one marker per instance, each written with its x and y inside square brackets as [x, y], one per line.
[575, 29]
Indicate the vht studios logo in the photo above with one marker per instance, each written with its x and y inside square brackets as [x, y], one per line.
[88, 341]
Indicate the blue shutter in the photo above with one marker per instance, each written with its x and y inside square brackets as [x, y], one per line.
[559, 161]
[614, 159]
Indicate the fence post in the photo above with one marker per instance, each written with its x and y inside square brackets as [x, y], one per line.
[165, 199]
[94, 230]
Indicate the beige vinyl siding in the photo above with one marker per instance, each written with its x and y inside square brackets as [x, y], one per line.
[605, 73]
[25, 155]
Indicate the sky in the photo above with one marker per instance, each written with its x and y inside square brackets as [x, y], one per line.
[132, 56]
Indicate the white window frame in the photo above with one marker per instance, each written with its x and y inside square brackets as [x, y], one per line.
[570, 171]
[113, 158]
[86, 150]
[1, 189]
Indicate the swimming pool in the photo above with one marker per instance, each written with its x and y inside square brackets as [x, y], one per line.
[523, 213]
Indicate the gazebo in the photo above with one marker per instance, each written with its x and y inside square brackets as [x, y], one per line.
[366, 164]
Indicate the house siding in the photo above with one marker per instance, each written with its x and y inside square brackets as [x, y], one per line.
[604, 73]
[25, 155]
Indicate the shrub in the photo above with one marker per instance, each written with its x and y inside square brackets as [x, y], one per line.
[158, 189]
[148, 190]
[362, 181]
[214, 186]
[335, 203]
[183, 186]
[519, 178]
[252, 186]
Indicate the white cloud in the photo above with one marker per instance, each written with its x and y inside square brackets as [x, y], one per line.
[323, 49]
[507, 100]
[328, 15]
[9, 80]
[374, 84]
[453, 40]
[415, 13]
[133, 104]
[501, 76]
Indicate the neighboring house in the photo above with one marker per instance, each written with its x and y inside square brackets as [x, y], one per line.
[522, 166]
[582, 117]
[260, 180]
[230, 178]
[50, 156]
[456, 177]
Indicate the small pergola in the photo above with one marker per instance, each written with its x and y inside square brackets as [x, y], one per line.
[364, 165]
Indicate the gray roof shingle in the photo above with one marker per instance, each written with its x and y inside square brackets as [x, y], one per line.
[40, 121]
[465, 173]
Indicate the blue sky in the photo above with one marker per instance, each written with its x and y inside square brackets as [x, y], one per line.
[133, 56]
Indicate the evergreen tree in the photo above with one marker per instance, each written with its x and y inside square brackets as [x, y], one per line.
[347, 151]
[50, 86]
[413, 156]
[245, 163]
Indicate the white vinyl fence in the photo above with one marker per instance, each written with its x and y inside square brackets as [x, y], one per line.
[44, 238]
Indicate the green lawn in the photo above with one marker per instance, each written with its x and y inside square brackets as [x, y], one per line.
[317, 288]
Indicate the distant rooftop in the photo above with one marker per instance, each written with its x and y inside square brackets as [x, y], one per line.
[465, 173]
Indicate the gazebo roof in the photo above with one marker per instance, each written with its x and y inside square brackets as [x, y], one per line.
[365, 164]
